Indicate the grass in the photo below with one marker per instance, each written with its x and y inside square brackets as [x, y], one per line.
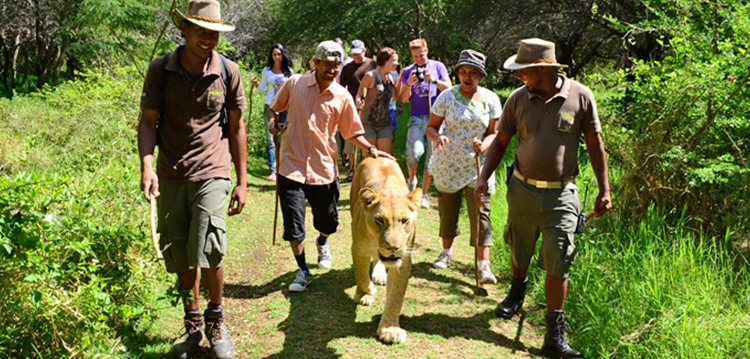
[638, 290]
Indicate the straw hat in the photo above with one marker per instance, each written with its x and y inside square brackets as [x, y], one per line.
[533, 52]
[204, 13]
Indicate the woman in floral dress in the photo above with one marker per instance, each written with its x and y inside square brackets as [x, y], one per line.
[463, 124]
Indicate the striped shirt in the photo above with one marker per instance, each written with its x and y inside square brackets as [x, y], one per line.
[308, 146]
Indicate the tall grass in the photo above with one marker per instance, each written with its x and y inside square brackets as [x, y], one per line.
[646, 290]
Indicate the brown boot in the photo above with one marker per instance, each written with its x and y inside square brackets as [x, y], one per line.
[555, 343]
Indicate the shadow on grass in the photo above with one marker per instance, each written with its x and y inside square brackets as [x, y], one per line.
[325, 312]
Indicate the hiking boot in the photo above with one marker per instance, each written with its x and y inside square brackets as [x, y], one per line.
[413, 184]
[425, 201]
[486, 276]
[555, 343]
[442, 261]
[218, 335]
[324, 257]
[189, 342]
[300, 283]
[514, 301]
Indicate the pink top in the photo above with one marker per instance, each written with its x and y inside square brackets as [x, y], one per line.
[308, 146]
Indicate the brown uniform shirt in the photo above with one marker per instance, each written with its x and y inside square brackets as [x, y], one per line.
[193, 143]
[550, 132]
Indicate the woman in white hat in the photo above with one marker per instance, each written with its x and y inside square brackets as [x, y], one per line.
[468, 114]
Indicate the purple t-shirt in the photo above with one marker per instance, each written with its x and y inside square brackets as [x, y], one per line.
[418, 102]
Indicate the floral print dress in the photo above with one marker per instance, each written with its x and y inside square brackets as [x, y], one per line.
[454, 168]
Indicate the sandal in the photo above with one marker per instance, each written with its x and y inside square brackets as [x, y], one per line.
[350, 177]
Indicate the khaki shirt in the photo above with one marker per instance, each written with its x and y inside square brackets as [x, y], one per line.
[308, 146]
[193, 144]
[550, 132]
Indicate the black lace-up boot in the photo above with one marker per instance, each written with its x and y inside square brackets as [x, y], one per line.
[513, 302]
[555, 343]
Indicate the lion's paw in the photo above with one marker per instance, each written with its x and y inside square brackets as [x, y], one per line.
[392, 335]
[364, 299]
[379, 275]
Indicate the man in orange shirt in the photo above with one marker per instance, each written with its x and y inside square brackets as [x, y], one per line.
[317, 105]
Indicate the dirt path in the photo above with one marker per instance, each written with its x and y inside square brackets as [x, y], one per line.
[441, 314]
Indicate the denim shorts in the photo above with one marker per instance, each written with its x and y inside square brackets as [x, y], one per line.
[417, 142]
[551, 213]
[192, 224]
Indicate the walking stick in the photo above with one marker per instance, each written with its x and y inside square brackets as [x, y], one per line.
[154, 239]
[479, 290]
[276, 206]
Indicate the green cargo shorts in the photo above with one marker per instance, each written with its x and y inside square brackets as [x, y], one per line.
[553, 213]
[192, 224]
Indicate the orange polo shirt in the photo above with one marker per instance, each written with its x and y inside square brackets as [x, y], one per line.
[308, 146]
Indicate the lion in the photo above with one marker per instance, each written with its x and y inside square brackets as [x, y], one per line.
[384, 216]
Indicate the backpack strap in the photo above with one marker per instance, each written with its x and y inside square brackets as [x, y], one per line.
[226, 75]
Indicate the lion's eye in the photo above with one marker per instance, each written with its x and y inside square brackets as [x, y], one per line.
[404, 221]
[379, 221]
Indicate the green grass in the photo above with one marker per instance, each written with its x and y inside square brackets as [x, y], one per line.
[638, 290]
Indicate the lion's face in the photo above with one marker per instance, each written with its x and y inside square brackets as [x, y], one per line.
[391, 219]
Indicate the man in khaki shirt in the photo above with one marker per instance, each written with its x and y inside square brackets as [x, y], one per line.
[550, 114]
[317, 105]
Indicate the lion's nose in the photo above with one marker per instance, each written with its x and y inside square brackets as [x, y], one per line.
[391, 247]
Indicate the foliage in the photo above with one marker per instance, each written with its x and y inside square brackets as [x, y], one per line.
[679, 128]
[76, 271]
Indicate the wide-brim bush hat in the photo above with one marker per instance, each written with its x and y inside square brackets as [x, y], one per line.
[531, 53]
[204, 13]
[471, 58]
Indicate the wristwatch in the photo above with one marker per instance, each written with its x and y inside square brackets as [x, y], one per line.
[434, 82]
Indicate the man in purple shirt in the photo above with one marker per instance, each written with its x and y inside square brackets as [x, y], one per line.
[421, 82]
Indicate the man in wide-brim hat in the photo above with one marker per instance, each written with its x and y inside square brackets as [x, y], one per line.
[550, 113]
[196, 98]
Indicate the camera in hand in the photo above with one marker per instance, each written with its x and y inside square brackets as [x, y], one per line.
[420, 72]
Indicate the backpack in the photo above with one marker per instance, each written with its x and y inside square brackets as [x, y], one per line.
[226, 75]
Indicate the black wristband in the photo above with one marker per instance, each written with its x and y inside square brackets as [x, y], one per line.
[369, 149]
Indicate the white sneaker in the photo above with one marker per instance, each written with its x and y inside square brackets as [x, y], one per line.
[300, 283]
[413, 184]
[486, 276]
[425, 201]
[442, 261]
[324, 257]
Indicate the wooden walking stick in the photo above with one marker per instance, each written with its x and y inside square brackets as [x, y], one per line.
[276, 206]
[154, 238]
[479, 290]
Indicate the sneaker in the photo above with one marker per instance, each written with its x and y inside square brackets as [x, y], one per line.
[413, 184]
[300, 283]
[442, 261]
[486, 276]
[188, 343]
[425, 201]
[324, 257]
[218, 335]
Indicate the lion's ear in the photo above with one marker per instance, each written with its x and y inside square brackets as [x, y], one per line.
[368, 197]
[415, 196]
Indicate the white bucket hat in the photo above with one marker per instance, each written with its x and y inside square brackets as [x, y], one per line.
[531, 53]
[204, 13]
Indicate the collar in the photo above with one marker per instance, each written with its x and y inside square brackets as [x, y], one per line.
[174, 65]
[562, 93]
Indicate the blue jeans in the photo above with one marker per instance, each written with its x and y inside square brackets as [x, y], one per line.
[417, 142]
[270, 148]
